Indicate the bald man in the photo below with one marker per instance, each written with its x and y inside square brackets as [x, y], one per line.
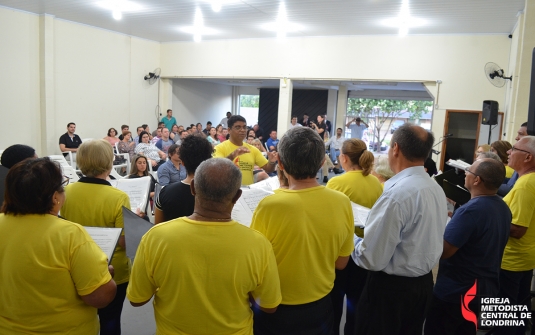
[474, 241]
[402, 241]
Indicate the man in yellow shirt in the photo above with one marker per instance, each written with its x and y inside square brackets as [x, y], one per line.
[311, 230]
[203, 269]
[244, 155]
[519, 256]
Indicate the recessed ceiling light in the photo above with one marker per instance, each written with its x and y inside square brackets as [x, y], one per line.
[119, 6]
[404, 20]
[282, 26]
[198, 29]
[218, 4]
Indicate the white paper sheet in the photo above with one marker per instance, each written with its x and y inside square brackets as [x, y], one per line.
[105, 238]
[270, 184]
[360, 214]
[244, 208]
[137, 190]
[459, 164]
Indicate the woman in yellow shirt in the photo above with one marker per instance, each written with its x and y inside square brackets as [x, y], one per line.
[500, 148]
[53, 276]
[364, 189]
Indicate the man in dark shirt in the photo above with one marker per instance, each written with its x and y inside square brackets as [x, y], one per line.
[175, 200]
[474, 242]
[70, 141]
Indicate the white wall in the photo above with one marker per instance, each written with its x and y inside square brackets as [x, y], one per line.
[97, 80]
[19, 87]
[195, 101]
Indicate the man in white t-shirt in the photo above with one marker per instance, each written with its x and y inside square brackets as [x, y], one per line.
[358, 128]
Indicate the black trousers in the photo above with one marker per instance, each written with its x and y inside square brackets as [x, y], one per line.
[393, 305]
[349, 282]
[517, 287]
[314, 318]
[445, 318]
[110, 316]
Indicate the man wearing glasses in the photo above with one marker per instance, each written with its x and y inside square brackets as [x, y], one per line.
[474, 241]
[505, 188]
[519, 256]
[244, 155]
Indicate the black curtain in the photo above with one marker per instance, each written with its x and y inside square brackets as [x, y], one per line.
[312, 102]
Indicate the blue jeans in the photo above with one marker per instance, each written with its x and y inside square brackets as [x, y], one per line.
[334, 154]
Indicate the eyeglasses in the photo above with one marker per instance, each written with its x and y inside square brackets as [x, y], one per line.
[466, 169]
[239, 127]
[65, 181]
[513, 149]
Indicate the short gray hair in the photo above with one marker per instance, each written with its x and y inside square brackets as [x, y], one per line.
[301, 151]
[492, 173]
[382, 167]
[530, 143]
[488, 154]
[217, 179]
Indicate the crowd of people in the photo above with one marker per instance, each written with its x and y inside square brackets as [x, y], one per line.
[290, 271]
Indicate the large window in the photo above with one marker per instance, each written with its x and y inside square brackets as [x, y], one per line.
[249, 108]
[385, 116]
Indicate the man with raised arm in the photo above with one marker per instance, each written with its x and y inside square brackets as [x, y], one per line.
[402, 242]
[204, 269]
[242, 154]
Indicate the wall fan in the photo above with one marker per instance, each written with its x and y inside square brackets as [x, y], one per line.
[152, 77]
[494, 74]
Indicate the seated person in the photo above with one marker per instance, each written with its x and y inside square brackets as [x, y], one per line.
[70, 141]
[11, 156]
[140, 168]
[155, 156]
[381, 169]
[127, 146]
[112, 137]
[500, 148]
[175, 200]
[173, 170]
[164, 142]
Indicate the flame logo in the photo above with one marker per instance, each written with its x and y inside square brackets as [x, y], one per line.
[468, 314]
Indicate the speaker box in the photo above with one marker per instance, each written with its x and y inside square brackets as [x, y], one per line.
[490, 112]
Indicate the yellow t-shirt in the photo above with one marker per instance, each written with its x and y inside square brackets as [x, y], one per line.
[361, 190]
[519, 254]
[46, 263]
[201, 273]
[509, 171]
[99, 205]
[309, 229]
[245, 162]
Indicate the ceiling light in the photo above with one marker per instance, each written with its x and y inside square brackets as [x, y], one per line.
[198, 29]
[119, 6]
[404, 21]
[281, 26]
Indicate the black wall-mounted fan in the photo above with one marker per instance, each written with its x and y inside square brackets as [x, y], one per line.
[153, 76]
[495, 74]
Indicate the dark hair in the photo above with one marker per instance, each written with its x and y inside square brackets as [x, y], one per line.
[357, 153]
[492, 173]
[141, 136]
[181, 131]
[340, 129]
[124, 126]
[169, 110]
[172, 149]
[69, 124]
[133, 167]
[161, 123]
[15, 154]
[501, 148]
[198, 123]
[431, 167]
[235, 118]
[208, 123]
[301, 152]
[30, 186]
[109, 131]
[193, 151]
[144, 126]
[525, 124]
[412, 144]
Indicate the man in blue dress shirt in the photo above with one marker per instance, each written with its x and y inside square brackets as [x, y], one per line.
[402, 241]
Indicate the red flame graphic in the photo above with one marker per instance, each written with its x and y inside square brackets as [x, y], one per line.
[465, 300]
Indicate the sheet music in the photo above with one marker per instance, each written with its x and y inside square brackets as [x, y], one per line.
[134, 229]
[105, 238]
[459, 164]
[360, 214]
[269, 184]
[137, 190]
[244, 208]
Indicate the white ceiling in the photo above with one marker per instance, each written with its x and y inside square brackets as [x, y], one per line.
[160, 20]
